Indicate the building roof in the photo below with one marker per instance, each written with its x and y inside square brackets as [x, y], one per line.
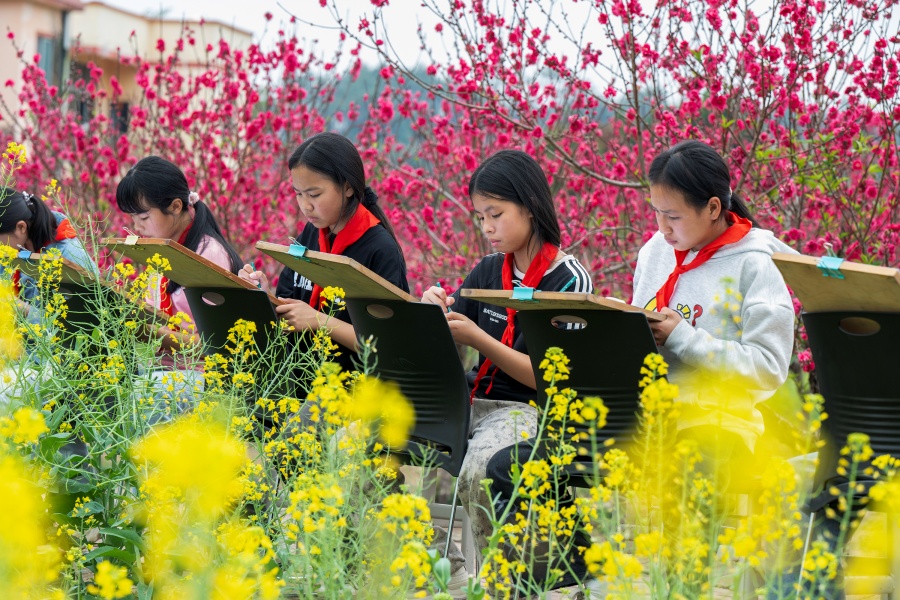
[158, 20]
[61, 4]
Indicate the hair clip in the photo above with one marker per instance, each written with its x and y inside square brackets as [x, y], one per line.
[29, 198]
[193, 198]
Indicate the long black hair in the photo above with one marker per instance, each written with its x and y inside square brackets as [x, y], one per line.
[18, 206]
[335, 157]
[697, 171]
[515, 176]
[155, 182]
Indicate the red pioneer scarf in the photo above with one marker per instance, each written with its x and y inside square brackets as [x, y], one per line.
[533, 276]
[165, 301]
[64, 230]
[361, 221]
[739, 228]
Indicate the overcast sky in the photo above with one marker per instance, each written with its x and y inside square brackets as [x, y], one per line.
[403, 15]
[247, 15]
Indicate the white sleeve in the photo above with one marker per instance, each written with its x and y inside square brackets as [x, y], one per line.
[762, 352]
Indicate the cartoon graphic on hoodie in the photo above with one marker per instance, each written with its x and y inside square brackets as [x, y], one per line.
[738, 319]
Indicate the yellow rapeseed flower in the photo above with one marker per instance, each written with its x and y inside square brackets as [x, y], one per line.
[25, 426]
[382, 403]
[555, 365]
[10, 340]
[158, 263]
[111, 582]
[7, 254]
[27, 563]
[334, 298]
[50, 190]
[15, 154]
[195, 460]
[607, 563]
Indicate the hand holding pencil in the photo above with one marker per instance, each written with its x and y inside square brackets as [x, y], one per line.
[438, 295]
[249, 273]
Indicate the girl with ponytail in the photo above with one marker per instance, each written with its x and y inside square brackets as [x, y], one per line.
[709, 270]
[343, 217]
[156, 194]
[26, 222]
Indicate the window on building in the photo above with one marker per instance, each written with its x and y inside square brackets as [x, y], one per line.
[48, 48]
[118, 114]
[82, 102]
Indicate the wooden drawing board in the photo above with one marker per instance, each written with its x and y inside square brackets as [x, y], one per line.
[557, 300]
[79, 277]
[863, 287]
[71, 273]
[336, 270]
[189, 269]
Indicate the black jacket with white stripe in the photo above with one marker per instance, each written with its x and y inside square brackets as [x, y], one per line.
[566, 274]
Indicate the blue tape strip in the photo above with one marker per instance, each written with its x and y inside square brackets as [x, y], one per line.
[297, 251]
[523, 293]
[830, 266]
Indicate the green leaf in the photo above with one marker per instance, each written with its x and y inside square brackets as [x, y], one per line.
[475, 591]
[62, 519]
[71, 486]
[128, 535]
[50, 444]
[110, 551]
[442, 573]
[56, 418]
[90, 508]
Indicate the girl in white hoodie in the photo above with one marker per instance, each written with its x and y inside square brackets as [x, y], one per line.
[709, 270]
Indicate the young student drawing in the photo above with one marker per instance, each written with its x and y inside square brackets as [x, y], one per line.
[156, 194]
[511, 198]
[343, 217]
[27, 223]
[706, 242]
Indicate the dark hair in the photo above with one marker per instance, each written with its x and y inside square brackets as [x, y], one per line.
[155, 182]
[515, 176]
[696, 170]
[22, 206]
[335, 157]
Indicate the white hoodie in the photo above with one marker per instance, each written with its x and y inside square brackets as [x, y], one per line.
[738, 319]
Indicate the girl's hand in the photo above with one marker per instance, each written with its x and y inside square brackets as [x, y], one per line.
[464, 330]
[438, 295]
[257, 278]
[298, 314]
[663, 329]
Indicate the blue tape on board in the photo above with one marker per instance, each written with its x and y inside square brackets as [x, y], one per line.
[297, 251]
[523, 293]
[830, 266]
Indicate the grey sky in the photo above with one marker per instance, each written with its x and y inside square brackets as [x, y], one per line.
[251, 16]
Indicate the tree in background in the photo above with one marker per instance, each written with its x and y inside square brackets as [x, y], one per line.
[800, 96]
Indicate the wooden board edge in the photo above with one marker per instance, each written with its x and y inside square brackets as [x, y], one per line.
[591, 298]
[812, 261]
[271, 250]
[113, 242]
